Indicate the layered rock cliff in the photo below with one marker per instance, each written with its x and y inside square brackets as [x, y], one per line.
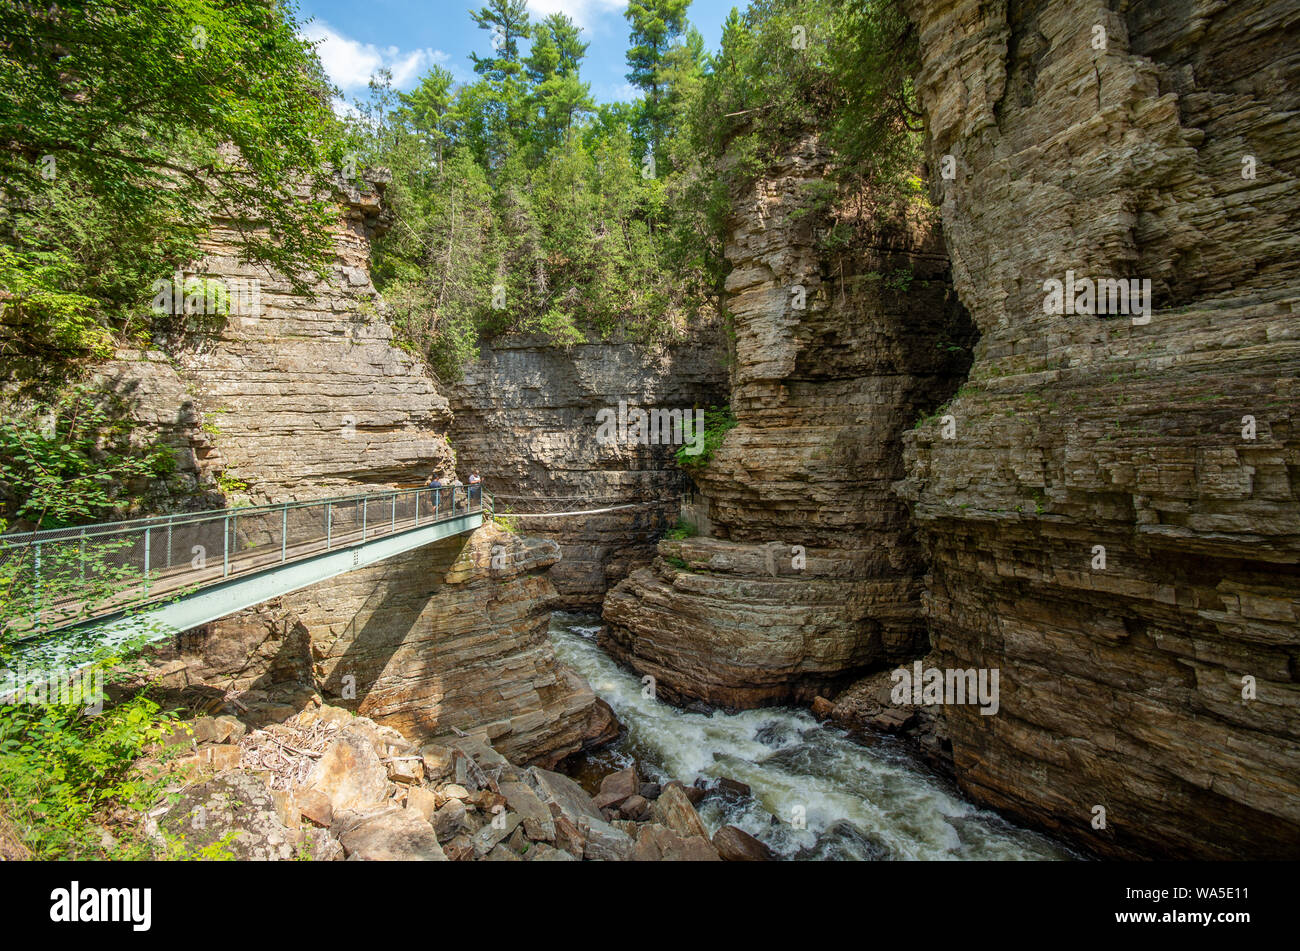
[810, 573]
[1115, 522]
[301, 398]
[526, 420]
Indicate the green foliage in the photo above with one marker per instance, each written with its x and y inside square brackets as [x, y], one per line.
[517, 208]
[229, 485]
[656, 26]
[516, 184]
[506, 521]
[72, 460]
[683, 529]
[717, 423]
[62, 463]
[841, 68]
[123, 129]
[61, 769]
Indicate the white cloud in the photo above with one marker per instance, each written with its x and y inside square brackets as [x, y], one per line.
[350, 64]
[582, 12]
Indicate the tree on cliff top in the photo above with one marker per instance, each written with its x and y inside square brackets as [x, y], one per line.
[656, 26]
[124, 127]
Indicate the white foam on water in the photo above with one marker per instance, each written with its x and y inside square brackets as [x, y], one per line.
[856, 801]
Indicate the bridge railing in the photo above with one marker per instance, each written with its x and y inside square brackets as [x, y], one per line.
[57, 577]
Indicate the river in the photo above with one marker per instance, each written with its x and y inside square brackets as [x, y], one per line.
[816, 793]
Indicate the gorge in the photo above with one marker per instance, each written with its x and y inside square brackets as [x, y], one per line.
[1090, 514]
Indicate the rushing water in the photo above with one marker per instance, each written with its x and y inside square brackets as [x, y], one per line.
[859, 802]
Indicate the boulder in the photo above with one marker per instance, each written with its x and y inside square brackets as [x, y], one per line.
[459, 849]
[731, 788]
[498, 830]
[286, 807]
[449, 821]
[408, 770]
[604, 843]
[486, 801]
[479, 764]
[616, 787]
[422, 802]
[563, 794]
[537, 820]
[541, 852]
[350, 774]
[568, 837]
[655, 843]
[212, 729]
[602, 726]
[451, 791]
[318, 845]
[635, 807]
[234, 802]
[439, 762]
[737, 845]
[392, 835]
[222, 758]
[673, 809]
[314, 806]
[822, 708]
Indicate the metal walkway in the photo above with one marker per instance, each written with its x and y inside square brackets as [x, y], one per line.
[112, 583]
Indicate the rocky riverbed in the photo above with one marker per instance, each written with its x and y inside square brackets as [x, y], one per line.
[807, 790]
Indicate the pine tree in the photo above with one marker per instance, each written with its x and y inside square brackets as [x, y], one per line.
[656, 26]
[558, 96]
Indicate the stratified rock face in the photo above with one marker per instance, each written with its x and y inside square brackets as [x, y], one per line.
[436, 639]
[443, 639]
[811, 573]
[301, 400]
[311, 398]
[1114, 522]
[526, 421]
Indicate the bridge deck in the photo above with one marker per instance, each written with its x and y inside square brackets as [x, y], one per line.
[110, 583]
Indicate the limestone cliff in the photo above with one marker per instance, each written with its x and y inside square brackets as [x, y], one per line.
[525, 418]
[1115, 523]
[295, 398]
[810, 573]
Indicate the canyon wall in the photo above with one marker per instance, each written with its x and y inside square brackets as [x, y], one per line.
[1114, 521]
[302, 398]
[810, 574]
[525, 420]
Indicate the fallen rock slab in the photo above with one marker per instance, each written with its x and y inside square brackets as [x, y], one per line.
[398, 835]
[538, 823]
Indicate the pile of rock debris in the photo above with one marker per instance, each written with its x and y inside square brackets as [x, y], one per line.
[325, 784]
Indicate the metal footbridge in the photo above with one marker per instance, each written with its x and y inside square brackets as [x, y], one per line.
[115, 583]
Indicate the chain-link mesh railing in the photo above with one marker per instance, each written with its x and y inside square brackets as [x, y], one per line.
[52, 578]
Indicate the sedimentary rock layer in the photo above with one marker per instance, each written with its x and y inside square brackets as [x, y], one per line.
[526, 421]
[298, 399]
[839, 348]
[1114, 523]
[434, 639]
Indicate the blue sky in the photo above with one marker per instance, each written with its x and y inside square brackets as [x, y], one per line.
[409, 36]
